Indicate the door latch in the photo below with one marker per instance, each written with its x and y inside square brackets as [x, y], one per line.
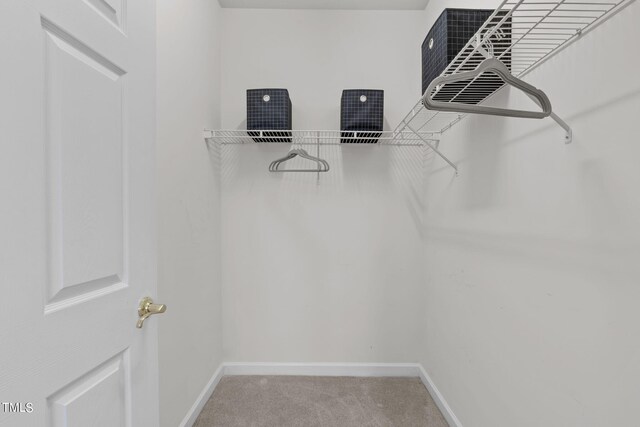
[147, 308]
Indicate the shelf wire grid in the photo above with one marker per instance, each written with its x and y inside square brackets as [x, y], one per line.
[522, 34]
[315, 137]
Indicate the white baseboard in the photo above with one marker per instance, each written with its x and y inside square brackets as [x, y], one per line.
[202, 399]
[437, 397]
[322, 369]
[325, 369]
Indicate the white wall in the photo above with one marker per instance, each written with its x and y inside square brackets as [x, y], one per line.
[531, 313]
[188, 204]
[326, 271]
[316, 54]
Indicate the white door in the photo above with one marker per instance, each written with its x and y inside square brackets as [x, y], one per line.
[77, 241]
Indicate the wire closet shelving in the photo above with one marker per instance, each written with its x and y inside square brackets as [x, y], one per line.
[521, 34]
[315, 137]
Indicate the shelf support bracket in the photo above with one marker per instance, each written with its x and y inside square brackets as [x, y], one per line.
[568, 133]
[208, 133]
[434, 147]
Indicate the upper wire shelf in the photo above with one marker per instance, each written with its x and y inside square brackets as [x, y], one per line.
[520, 33]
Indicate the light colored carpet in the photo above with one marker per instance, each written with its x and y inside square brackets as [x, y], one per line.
[283, 401]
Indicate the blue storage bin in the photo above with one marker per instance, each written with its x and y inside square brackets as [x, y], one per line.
[447, 37]
[269, 110]
[361, 110]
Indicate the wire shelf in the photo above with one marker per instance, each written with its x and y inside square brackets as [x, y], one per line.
[520, 33]
[315, 137]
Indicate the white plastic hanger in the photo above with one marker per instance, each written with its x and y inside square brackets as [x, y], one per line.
[323, 166]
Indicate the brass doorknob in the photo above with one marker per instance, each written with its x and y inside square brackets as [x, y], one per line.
[147, 308]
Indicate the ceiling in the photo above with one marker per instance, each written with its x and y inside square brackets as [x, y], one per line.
[327, 4]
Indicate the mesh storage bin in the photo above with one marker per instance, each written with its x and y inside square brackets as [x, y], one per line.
[447, 37]
[269, 110]
[361, 111]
